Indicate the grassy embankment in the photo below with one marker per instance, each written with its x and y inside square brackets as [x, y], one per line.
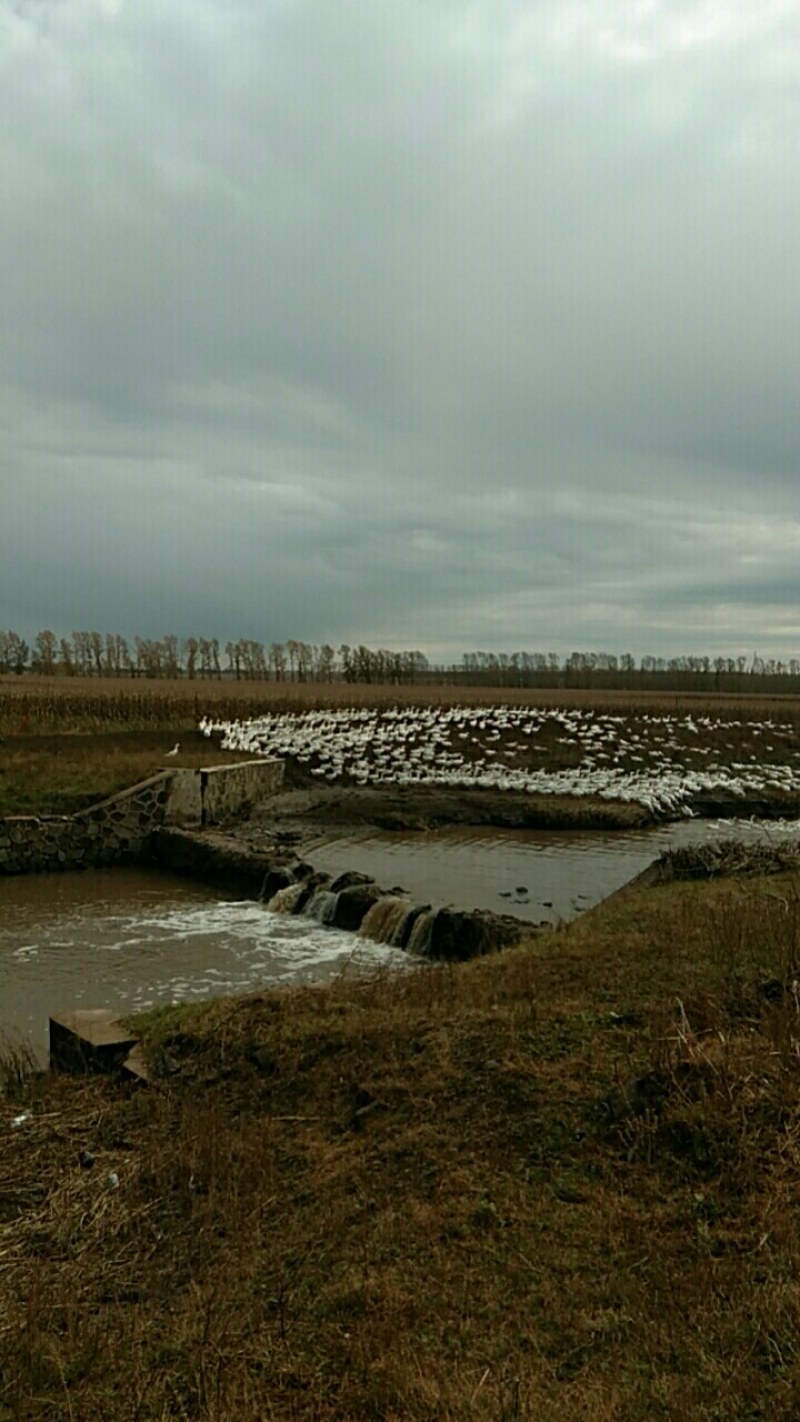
[440, 1197]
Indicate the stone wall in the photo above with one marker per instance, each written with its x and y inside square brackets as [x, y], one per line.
[220, 793]
[115, 831]
[120, 830]
[230, 791]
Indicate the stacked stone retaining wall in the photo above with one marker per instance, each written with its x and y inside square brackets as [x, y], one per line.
[120, 830]
[115, 831]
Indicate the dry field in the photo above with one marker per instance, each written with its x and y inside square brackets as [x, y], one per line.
[65, 743]
[36, 704]
[558, 1183]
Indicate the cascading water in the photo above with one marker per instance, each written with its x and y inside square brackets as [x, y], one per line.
[388, 921]
[391, 919]
[135, 939]
[321, 906]
[419, 941]
[288, 900]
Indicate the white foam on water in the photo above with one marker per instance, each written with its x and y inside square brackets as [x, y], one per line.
[159, 941]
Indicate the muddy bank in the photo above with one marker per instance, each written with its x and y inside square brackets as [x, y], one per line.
[726, 806]
[313, 811]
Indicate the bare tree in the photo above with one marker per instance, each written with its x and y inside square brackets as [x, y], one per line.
[14, 652]
[205, 657]
[277, 660]
[96, 649]
[67, 664]
[172, 659]
[45, 652]
[190, 648]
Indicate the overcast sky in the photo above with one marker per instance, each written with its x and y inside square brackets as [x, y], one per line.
[446, 324]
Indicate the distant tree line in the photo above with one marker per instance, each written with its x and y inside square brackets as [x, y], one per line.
[96, 654]
[609, 671]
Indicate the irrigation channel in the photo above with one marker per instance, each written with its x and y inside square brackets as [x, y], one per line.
[131, 939]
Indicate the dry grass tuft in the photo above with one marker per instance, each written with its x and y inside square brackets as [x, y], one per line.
[726, 857]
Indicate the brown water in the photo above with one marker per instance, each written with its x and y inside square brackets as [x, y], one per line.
[539, 876]
[132, 939]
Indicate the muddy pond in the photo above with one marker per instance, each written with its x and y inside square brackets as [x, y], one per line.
[134, 939]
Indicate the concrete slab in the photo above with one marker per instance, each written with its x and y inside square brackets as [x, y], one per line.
[91, 1039]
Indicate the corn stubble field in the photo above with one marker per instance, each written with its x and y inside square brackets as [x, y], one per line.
[67, 742]
[561, 1181]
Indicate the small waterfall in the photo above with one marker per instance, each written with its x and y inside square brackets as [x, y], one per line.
[288, 900]
[321, 906]
[420, 939]
[406, 928]
[385, 921]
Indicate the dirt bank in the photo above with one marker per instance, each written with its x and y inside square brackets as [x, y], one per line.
[310, 811]
[315, 809]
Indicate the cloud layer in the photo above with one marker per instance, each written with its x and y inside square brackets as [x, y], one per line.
[450, 323]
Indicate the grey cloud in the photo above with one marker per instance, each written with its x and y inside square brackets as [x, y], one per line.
[440, 323]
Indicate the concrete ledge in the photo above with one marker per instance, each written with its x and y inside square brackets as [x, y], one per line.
[91, 1040]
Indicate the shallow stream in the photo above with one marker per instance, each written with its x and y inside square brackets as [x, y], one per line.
[540, 876]
[133, 939]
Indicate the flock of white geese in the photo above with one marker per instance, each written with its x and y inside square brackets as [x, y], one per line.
[660, 762]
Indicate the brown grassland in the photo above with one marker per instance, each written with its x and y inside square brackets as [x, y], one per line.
[557, 1182]
[34, 703]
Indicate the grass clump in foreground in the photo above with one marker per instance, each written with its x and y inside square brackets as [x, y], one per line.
[558, 1182]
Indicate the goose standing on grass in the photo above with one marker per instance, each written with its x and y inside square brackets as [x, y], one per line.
[175, 749]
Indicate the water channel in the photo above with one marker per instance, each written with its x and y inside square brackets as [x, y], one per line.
[133, 939]
[540, 876]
